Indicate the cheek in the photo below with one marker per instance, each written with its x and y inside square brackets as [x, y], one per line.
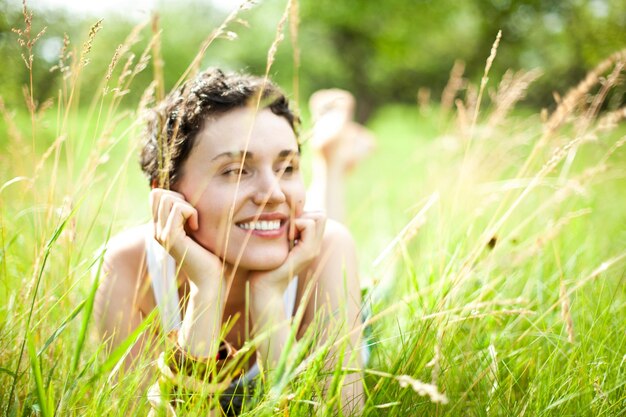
[297, 198]
[212, 218]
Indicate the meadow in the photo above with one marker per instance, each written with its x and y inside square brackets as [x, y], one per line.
[491, 237]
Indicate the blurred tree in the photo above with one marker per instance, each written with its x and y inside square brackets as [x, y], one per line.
[383, 52]
[386, 51]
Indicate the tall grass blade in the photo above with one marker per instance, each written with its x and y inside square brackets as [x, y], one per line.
[88, 303]
[27, 330]
[62, 327]
[123, 349]
[36, 368]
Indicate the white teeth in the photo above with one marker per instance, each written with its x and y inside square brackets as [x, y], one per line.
[261, 225]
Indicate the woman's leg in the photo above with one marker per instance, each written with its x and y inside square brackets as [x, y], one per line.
[338, 143]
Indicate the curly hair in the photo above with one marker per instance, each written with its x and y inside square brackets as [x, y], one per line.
[173, 125]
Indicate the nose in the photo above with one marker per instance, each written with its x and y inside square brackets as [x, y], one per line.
[268, 190]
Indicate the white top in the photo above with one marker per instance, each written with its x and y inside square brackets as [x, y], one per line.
[162, 271]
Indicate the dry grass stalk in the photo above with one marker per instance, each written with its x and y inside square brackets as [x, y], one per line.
[423, 98]
[95, 28]
[557, 156]
[194, 67]
[611, 119]
[294, 23]
[603, 267]
[495, 314]
[271, 53]
[409, 231]
[483, 304]
[565, 312]
[576, 94]
[157, 59]
[422, 388]
[24, 38]
[43, 107]
[435, 362]
[28, 99]
[112, 64]
[121, 50]
[55, 146]
[127, 75]
[597, 388]
[13, 131]
[512, 88]
[455, 83]
[561, 152]
[461, 115]
[485, 78]
[549, 235]
[471, 103]
[613, 148]
[493, 368]
[64, 56]
[582, 123]
[126, 72]
[147, 99]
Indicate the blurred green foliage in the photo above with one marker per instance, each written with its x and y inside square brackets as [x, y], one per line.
[382, 52]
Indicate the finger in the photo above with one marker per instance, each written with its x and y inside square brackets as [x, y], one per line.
[188, 212]
[155, 196]
[320, 222]
[179, 214]
[163, 211]
[320, 228]
[166, 202]
[305, 231]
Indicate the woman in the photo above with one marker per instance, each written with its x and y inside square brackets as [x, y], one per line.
[230, 244]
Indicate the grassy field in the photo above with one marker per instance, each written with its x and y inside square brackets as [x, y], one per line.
[493, 243]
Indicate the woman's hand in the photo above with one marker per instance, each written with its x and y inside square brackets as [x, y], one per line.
[267, 287]
[173, 216]
[306, 232]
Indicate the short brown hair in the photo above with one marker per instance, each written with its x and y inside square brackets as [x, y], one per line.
[173, 125]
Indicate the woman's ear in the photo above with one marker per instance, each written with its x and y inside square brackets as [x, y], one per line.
[154, 184]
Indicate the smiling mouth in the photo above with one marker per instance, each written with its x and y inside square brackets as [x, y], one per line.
[262, 225]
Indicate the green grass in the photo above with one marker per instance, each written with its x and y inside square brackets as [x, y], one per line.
[509, 297]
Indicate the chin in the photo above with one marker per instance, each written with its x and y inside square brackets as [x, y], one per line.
[263, 260]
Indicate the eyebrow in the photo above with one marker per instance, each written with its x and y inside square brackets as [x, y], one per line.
[288, 153]
[249, 155]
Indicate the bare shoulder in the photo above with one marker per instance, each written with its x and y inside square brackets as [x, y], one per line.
[334, 276]
[127, 248]
[337, 256]
[337, 236]
[123, 296]
[124, 270]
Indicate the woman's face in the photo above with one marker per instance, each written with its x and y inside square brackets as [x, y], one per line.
[245, 210]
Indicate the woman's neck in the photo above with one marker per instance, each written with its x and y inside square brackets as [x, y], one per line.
[236, 288]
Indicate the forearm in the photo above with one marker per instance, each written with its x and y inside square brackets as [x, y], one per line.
[326, 191]
[200, 330]
[271, 323]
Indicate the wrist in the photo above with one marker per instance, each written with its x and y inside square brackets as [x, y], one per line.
[266, 301]
[203, 279]
[204, 293]
[265, 290]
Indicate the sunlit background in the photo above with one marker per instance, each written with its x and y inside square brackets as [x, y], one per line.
[383, 53]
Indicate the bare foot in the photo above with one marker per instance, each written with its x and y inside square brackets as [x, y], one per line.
[336, 137]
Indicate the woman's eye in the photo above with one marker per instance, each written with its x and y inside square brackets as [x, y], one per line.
[234, 172]
[287, 169]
